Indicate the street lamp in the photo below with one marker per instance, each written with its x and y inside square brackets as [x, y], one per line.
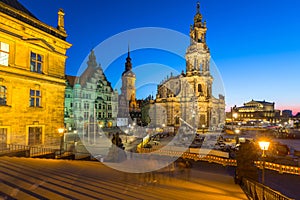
[234, 116]
[264, 146]
[61, 134]
[203, 126]
[126, 132]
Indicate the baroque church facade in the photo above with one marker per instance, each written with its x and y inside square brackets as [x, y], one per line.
[187, 99]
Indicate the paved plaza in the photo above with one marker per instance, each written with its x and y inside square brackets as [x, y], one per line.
[28, 178]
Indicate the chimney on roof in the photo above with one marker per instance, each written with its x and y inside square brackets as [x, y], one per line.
[61, 20]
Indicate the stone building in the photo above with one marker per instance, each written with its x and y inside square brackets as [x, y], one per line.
[69, 93]
[187, 99]
[92, 99]
[32, 80]
[129, 108]
[256, 111]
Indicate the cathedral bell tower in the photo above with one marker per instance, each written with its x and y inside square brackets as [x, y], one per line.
[127, 97]
[198, 55]
[128, 80]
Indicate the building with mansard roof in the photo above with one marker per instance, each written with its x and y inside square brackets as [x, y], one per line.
[187, 99]
[32, 79]
[90, 99]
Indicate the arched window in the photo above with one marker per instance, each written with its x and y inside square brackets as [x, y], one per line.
[200, 88]
[3, 94]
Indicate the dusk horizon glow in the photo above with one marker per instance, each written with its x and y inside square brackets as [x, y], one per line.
[254, 44]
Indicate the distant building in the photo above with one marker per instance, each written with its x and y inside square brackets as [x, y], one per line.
[32, 79]
[187, 99]
[255, 111]
[287, 113]
[296, 120]
[90, 98]
[129, 110]
[69, 102]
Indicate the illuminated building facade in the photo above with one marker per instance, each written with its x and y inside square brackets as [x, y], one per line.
[256, 111]
[32, 80]
[187, 98]
[91, 98]
[129, 108]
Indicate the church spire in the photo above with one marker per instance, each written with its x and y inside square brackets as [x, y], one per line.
[128, 64]
[92, 60]
[198, 7]
[197, 65]
[198, 16]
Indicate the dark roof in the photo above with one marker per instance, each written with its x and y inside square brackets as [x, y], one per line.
[71, 80]
[261, 102]
[18, 6]
[16, 10]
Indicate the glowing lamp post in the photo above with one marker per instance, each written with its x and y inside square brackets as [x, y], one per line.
[126, 132]
[234, 116]
[264, 146]
[61, 132]
[203, 126]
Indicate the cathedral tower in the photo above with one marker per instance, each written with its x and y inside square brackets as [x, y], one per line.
[127, 98]
[198, 57]
[128, 80]
[188, 96]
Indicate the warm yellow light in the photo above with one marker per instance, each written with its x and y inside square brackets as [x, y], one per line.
[61, 130]
[264, 145]
[237, 131]
[235, 115]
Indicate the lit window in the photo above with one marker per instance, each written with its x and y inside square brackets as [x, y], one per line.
[36, 62]
[35, 98]
[3, 94]
[4, 53]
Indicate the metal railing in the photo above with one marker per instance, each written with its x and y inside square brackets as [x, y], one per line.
[258, 191]
[6, 149]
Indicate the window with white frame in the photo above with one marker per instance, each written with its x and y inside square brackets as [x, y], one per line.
[35, 98]
[36, 62]
[4, 53]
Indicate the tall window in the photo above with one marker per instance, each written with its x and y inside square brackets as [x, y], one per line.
[36, 62]
[86, 115]
[4, 53]
[35, 136]
[86, 106]
[35, 98]
[3, 95]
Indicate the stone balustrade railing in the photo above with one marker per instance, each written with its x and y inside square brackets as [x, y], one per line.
[223, 161]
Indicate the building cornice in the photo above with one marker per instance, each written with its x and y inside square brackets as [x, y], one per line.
[32, 21]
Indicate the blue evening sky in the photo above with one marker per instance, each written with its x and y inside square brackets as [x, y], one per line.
[254, 43]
